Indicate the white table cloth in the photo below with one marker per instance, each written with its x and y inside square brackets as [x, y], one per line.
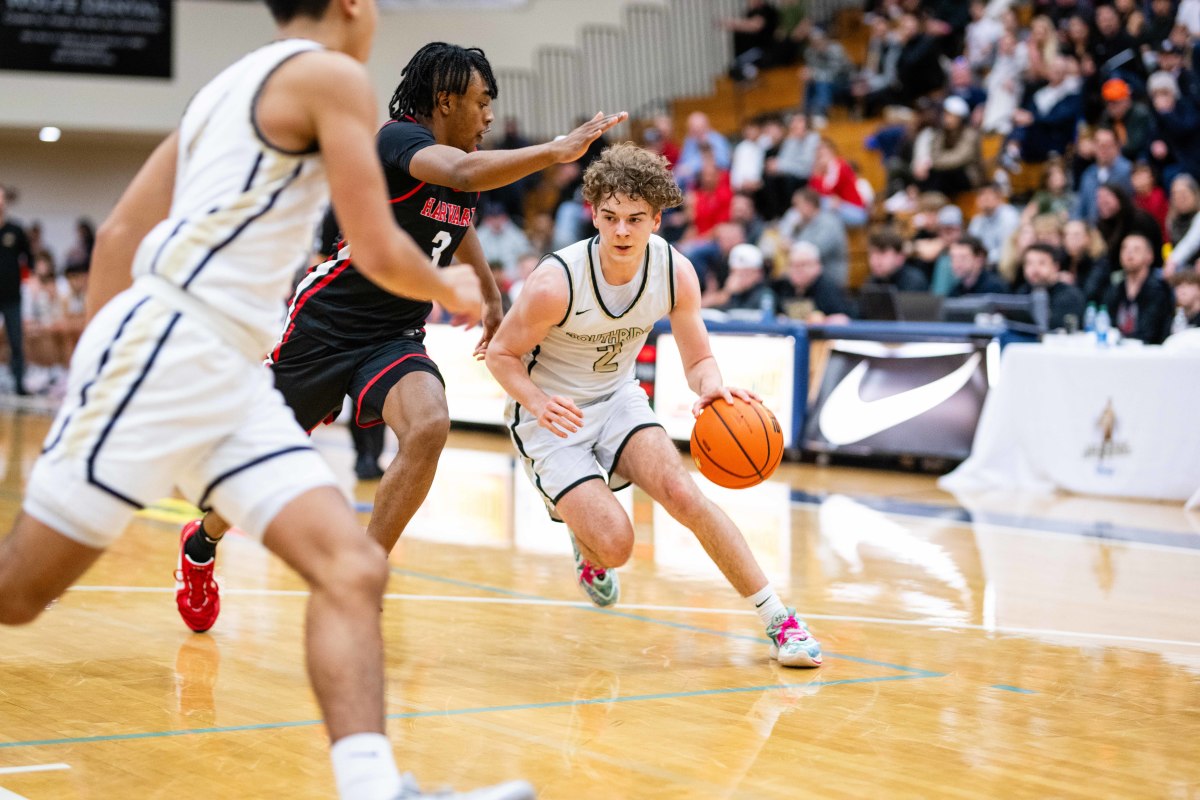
[1123, 422]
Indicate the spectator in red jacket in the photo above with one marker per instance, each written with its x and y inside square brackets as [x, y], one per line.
[835, 181]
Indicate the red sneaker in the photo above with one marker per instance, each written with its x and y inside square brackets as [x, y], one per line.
[196, 594]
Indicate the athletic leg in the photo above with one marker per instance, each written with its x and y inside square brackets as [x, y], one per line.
[602, 530]
[318, 536]
[415, 408]
[650, 460]
[37, 564]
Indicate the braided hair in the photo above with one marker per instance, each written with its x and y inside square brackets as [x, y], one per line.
[435, 68]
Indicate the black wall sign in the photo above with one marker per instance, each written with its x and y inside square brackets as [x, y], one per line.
[105, 37]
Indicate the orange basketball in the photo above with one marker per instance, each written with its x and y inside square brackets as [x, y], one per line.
[737, 445]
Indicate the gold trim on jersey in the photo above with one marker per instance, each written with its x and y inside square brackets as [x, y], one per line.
[596, 288]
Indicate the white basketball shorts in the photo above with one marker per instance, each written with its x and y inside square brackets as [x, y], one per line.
[157, 401]
[556, 465]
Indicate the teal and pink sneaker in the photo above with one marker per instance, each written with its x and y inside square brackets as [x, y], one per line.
[791, 643]
[599, 584]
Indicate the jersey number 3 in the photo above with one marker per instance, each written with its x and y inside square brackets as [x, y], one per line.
[440, 243]
[605, 362]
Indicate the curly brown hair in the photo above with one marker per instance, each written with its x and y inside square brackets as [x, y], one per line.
[636, 173]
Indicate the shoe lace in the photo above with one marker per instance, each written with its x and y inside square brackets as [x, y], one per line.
[199, 582]
[590, 573]
[791, 631]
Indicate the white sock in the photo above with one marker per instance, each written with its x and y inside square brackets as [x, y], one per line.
[364, 768]
[766, 603]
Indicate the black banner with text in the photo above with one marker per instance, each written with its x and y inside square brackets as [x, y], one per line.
[104, 37]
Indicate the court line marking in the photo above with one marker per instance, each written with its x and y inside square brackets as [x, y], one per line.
[532, 601]
[33, 768]
[1008, 688]
[454, 712]
[638, 617]
[5, 794]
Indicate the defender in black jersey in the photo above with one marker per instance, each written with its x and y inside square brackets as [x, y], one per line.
[344, 335]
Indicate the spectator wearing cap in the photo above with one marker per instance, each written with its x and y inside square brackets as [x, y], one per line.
[747, 287]
[807, 221]
[806, 294]
[954, 154]
[1178, 126]
[889, 266]
[1187, 295]
[502, 241]
[994, 221]
[1132, 122]
[968, 261]
[1171, 61]
[950, 230]
[1110, 168]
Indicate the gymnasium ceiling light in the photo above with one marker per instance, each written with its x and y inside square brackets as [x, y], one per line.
[49, 134]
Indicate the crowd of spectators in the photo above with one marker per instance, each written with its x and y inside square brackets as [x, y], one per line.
[1028, 146]
[42, 304]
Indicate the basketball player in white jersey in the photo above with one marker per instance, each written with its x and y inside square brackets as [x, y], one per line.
[167, 388]
[565, 354]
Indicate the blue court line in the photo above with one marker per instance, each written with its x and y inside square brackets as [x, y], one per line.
[1096, 529]
[1008, 688]
[454, 712]
[914, 671]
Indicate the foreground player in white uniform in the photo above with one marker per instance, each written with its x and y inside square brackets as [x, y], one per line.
[167, 388]
[565, 354]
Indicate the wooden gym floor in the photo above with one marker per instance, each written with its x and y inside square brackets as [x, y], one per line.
[1009, 646]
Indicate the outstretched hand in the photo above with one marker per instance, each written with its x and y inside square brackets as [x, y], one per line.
[726, 393]
[576, 143]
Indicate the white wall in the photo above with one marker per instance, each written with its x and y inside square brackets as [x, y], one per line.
[59, 183]
[84, 175]
[209, 34]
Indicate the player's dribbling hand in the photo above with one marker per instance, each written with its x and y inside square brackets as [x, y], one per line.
[461, 295]
[726, 393]
[576, 143]
[560, 416]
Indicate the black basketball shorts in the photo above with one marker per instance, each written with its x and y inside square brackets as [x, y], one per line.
[314, 377]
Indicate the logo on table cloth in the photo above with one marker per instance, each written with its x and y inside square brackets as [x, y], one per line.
[1109, 446]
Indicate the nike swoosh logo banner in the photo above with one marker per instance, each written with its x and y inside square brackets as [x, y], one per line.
[846, 418]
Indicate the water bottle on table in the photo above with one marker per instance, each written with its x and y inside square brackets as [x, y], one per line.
[1103, 327]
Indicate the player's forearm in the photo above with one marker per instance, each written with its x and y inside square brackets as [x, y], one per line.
[112, 264]
[484, 170]
[510, 372]
[704, 375]
[397, 265]
[487, 283]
